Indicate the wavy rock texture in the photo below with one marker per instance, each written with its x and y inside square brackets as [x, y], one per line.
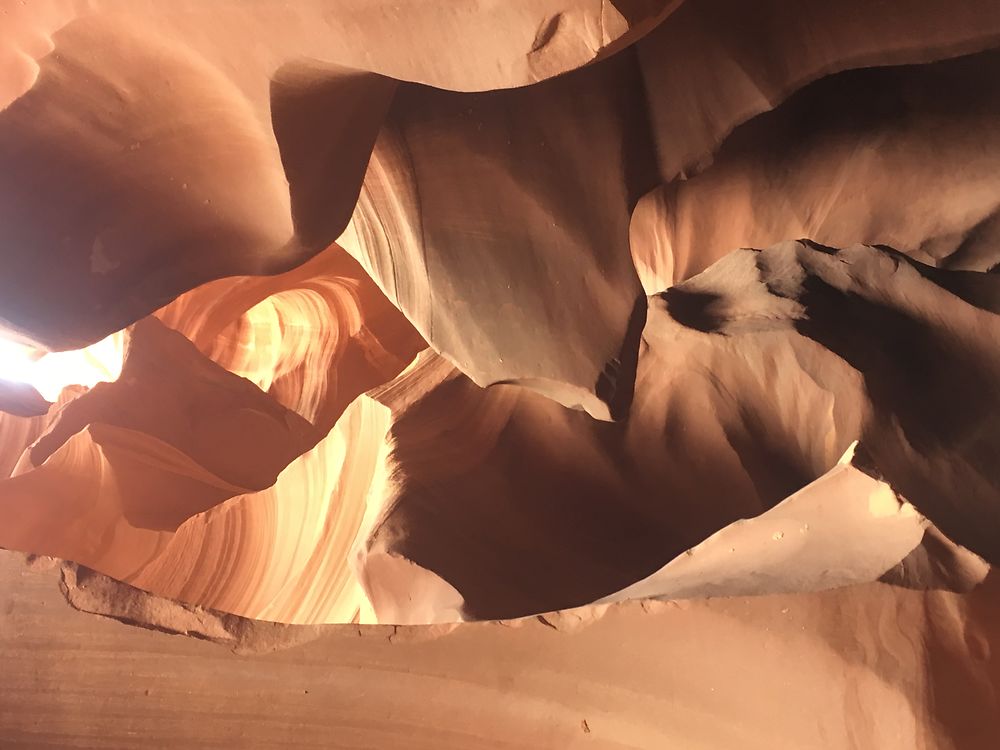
[468, 194]
[749, 387]
[314, 338]
[902, 156]
[489, 187]
[847, 527]
[419, 314]
[862, 665]
[265, 508]
[718, 63]
[209, 142]
[282, 554]
[925, 430]
[20, 431]
[122, 465]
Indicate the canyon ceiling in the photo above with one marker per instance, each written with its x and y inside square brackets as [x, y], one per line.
[500, 373]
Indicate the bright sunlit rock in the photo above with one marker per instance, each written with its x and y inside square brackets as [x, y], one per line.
[50, 372]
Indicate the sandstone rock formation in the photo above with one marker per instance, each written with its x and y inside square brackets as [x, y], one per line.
[859, 666]
[612, 373]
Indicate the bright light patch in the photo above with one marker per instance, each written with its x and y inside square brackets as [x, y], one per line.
[53, 371]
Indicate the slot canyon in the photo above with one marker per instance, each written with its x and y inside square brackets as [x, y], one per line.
[501, 374]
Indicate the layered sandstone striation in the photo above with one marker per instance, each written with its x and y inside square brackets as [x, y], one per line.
[499, 374]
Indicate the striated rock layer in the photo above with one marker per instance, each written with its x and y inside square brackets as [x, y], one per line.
[864, 666]
[660, 337]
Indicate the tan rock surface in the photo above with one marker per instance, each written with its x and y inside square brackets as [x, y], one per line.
[166, 446]
[121, 466]
[927, 420]
[283, 553]
[858, 665]
[718, 63]
[749, 387]
[314, 338]
[479, 219]
[200, 143]
[325, 314]
[847, 527]
[900, 156]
